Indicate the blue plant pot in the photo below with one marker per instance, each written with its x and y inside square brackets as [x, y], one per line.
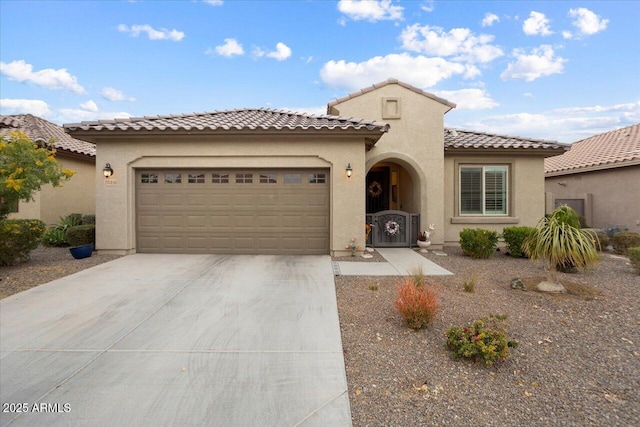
[79, 252]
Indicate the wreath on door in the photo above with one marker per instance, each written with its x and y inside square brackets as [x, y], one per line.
[375, 189]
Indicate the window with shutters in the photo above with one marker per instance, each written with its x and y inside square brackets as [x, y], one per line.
[483, 190]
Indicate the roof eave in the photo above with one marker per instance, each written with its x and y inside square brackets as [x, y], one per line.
[528, 151]
[593, 168]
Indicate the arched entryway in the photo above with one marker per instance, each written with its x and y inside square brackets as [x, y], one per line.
[393, 198]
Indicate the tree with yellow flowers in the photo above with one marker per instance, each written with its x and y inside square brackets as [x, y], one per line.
[24, 168]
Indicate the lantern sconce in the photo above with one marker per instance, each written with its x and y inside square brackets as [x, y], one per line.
[349, 170]
[107, 171]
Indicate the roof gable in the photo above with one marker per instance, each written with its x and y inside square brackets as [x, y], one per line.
[42, 131]
[389, 82]
[612, 149]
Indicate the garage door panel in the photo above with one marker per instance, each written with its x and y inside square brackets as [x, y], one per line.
[266, 216]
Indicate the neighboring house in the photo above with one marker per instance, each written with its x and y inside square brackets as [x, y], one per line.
[600, 178]
[76, 195]
[261, 181]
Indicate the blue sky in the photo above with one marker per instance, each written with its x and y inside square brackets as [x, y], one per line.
[555, 70]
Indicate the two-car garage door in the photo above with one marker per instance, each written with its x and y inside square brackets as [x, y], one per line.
[260, 211]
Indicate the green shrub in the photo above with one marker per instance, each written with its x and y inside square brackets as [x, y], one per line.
[18, 237]
[81, 235]
[417, 303]
[88, 219]
[601, 238]
[485, 340]
[478, 243]
[634, 256]
[624, 240]
[54, 237]
[514, 237]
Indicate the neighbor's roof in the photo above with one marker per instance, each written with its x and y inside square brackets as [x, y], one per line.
[42, 131]
[617, 148]
[240, 119]
[463, 139]
[389, 82]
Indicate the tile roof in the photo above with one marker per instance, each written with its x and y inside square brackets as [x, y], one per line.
[607, 150]
[239, 119]
[41, 130]
[388, 82]
[463, 139]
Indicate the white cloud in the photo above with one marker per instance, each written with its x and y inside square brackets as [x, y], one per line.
[527, 95]
[51, 79]
[152, 33]
[468, 99]
[459, 43]
[428, 6]
[89, 106]
[371, 10]
[587, 22]
[214, 2]
[567, 34]
[490, 19]
[540, 62]
[230, 48]
[74, 115]
[115, 95]
[419, 71]
[561, 124]
[536, 24]
[281, 53]
[317, 110]
[24, 106]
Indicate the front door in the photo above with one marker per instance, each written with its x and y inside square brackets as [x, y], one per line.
[378, 189]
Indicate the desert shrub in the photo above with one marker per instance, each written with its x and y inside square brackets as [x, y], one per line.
[417, 304]
[485, 340]
[54, 237]
[89, 219]
[469, 284]
[514, 237]
[601, 238]
[18, 237]
[634, 257]
[478, 243]
[624, 240]
[81, 235]
[418, 277]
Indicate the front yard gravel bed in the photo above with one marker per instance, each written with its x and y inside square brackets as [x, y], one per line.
[576, 363]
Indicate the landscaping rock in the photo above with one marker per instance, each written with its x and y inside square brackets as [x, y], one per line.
[367, 256]
[551, 287]
[517, 283]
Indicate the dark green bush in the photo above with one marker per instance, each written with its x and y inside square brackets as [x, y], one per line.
[89, 219]
[81, 235]
[624, 240]
[634, 256]
[601, 238]
[18, 237]
[513, 237]
[485, 340]
[478, 243]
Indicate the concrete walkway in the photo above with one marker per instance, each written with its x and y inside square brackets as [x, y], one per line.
[177, 340]
[400, 262]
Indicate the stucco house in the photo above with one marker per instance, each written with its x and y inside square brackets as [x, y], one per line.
[261, 181]
[76, 195]
[599, 177]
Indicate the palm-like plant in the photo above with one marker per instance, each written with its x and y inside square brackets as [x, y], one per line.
[558, 240]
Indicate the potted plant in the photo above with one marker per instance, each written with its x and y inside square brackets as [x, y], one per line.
[424, 238]
[81, 238]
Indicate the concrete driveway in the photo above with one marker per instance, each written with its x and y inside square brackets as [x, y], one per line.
[184, 340]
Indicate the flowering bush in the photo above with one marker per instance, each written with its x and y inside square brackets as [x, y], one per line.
[417, 303]
[484, 340]
[18, 237]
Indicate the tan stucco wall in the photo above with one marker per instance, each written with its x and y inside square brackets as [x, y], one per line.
[415, 141]
[115, 230]
[612, 196]
[75, 196]
[526, 198]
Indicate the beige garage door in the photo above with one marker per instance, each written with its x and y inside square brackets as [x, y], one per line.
[233, 211]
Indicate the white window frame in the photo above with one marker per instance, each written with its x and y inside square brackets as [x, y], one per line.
[483, 187]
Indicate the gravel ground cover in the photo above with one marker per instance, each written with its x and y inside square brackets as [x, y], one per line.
[46, 264]
[576, 363]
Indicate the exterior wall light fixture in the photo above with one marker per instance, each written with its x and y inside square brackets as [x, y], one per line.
[107, 171]
[349, 170]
